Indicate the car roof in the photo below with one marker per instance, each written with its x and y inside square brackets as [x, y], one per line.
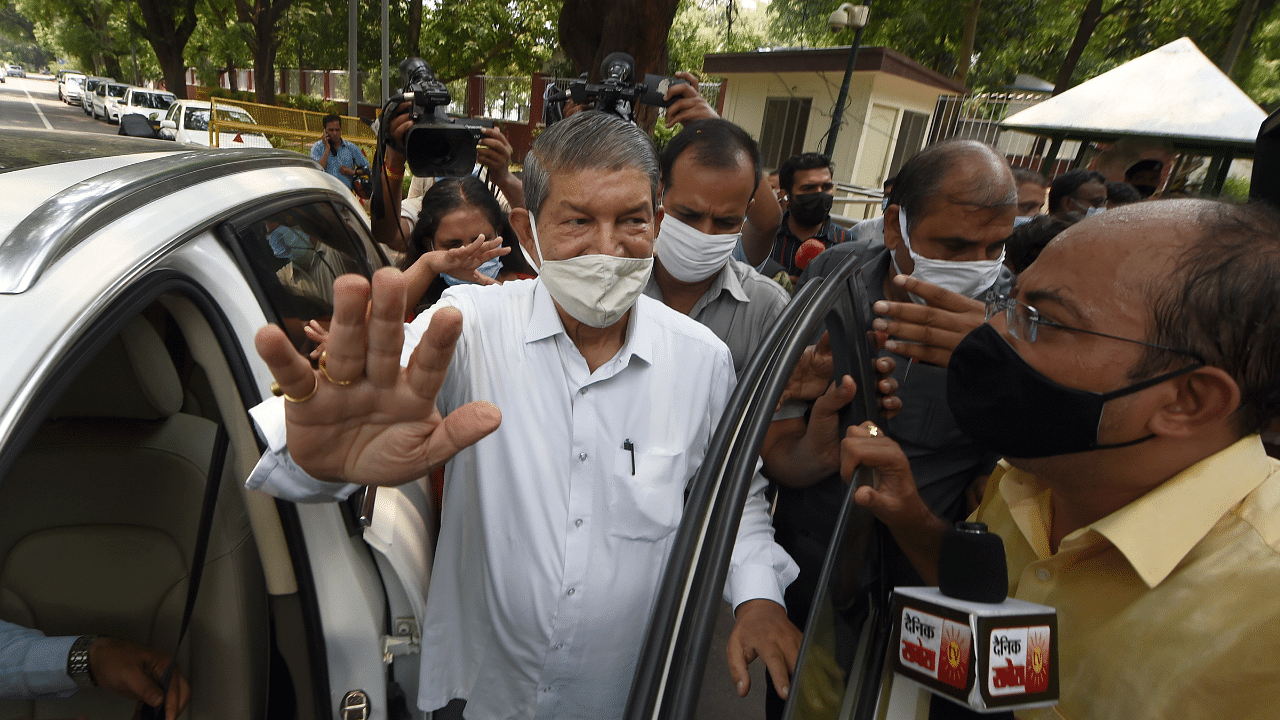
[58, 191]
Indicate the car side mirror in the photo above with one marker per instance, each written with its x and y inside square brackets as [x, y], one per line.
[168, 125]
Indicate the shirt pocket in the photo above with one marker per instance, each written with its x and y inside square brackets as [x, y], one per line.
[645, 504]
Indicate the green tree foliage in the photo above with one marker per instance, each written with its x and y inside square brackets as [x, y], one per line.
[18, 42]
[1032, 36]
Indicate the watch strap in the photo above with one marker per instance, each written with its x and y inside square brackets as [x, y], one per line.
[78, 668]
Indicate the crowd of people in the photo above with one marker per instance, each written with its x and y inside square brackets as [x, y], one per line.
[1081, 367]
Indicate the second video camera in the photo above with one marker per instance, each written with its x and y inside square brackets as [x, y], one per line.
[618, 93]
[437, 145]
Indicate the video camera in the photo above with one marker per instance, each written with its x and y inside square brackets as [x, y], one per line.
[617, 94]
[436, 144]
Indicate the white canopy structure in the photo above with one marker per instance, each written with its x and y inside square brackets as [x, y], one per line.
[1173, 92]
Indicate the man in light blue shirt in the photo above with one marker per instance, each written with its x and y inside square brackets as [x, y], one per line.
[36, 667]
[338, 157]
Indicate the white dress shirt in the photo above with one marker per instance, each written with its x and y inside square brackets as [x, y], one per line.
[551, 547]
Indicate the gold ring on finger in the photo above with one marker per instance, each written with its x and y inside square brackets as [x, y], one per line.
[873, 431]
[325, 371]
[306, 397]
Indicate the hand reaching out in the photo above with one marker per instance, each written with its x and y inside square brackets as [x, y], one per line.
[689, 104]
[929, 332]
[363, 418]
[812, 377]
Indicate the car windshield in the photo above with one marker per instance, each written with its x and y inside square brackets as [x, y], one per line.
[156, 101]
[73, 81]
[117, 91]
[198, 118]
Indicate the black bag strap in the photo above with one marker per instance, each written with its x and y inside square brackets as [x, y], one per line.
[216, 463]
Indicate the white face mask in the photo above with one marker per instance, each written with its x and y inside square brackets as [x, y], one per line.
[965, 277]
[595, 290]
[1023, 220]
[1094, 211]
[689, 254]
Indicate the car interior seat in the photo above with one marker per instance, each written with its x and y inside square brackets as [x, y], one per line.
[98, 519]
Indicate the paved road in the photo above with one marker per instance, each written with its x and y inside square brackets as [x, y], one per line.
[33, 103]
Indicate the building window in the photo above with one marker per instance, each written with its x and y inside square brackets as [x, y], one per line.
[910, 139]
[782, 134]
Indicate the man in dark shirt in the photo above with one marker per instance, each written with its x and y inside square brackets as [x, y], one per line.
[807, 182]
[950, 211]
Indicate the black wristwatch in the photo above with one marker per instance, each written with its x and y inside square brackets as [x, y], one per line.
[78, 661]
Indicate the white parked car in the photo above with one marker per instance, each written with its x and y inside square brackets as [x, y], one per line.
[151, 103]
[107, 99]
[187, 121]
[69, 87]
[133, 276]
[88, 89]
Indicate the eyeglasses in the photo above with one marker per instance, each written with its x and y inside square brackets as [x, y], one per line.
[1023, 320]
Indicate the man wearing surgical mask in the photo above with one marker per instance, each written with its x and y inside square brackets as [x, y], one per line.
[572, 411]
[950, 210]
[808, 183]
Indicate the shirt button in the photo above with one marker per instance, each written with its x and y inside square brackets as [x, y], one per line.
[582, 457]
[572, 591]
[583, 391]
[577, 523]
[1042, 575]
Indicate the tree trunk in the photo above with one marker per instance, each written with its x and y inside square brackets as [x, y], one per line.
[1240, 35]
[168, 37]
[1088, 23]
[264, 16]
[591, 29]
[415, 28]
[964, 56]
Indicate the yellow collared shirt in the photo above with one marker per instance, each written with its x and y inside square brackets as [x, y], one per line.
[1168, 607]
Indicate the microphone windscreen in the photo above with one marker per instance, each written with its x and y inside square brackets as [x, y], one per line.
[971, 564]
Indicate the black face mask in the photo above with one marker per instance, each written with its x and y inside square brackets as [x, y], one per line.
[810, 209]
[999, 400]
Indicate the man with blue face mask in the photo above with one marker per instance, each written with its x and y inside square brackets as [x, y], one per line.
[1125, 381]
[561, 507]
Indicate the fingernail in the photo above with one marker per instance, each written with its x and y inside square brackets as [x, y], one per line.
[900, 279]
[890, 344]
[879, 324]
[881, 306]
[786, 690]
[739, 686]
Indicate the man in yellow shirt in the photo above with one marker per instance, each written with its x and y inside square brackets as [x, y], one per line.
[1125, 382]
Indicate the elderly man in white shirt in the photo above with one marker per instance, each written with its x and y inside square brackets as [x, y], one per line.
[560, 509]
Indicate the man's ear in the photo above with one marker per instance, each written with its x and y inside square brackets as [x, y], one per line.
[520, 222]
[658, 214]
[1205, 399]
[892, 233]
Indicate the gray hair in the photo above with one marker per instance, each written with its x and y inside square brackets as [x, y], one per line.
[587, 141]
[921, 179]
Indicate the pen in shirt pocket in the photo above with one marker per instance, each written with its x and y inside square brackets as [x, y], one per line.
[630, 447]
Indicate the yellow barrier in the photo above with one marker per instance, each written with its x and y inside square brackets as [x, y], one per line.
[287, 128]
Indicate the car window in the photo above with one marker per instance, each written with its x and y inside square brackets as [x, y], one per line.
[235, 115]
[117, 90]
[296, 253]
[173, 113]
[197, 119]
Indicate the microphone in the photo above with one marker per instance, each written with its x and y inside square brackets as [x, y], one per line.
[971, 564]
[966, 641]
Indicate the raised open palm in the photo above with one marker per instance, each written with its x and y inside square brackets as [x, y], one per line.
[361, 417]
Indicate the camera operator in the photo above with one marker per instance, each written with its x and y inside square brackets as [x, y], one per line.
[338, 157]
[493, 152]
